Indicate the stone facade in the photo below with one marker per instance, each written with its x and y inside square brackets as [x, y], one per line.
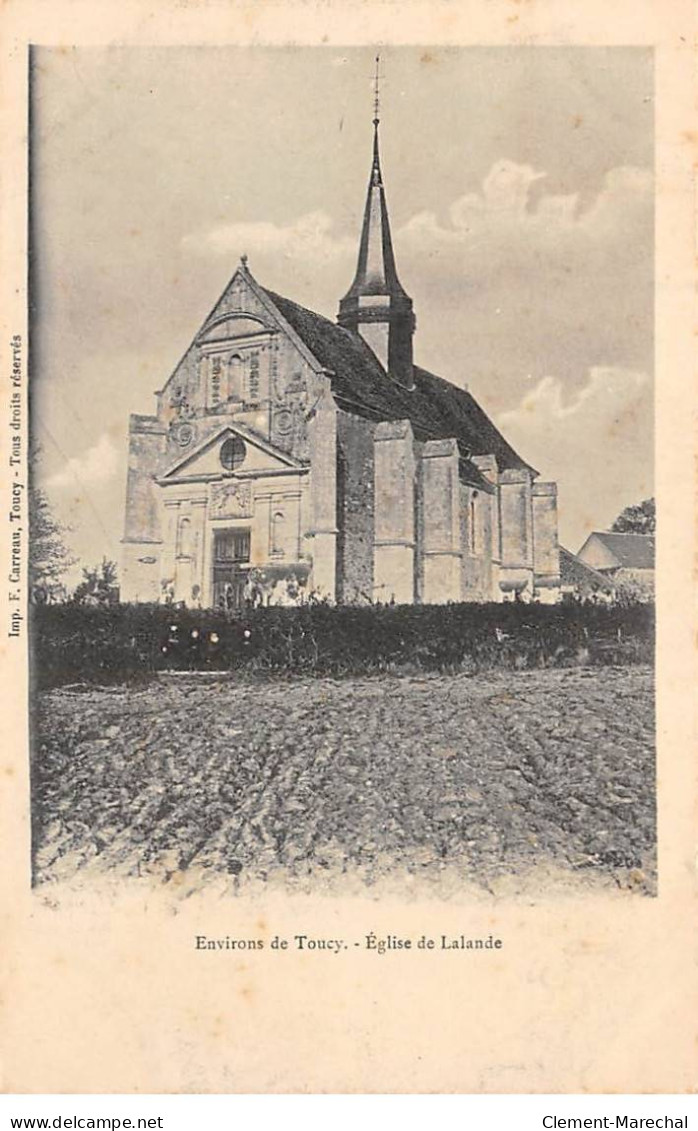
[290, 456]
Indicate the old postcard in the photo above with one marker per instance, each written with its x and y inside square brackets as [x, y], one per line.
[348, 479]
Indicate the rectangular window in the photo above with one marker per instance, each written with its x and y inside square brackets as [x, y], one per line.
[254, 378]
[232, 545]
[216, 380]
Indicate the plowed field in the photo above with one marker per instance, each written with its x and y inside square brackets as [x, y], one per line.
[450, 779]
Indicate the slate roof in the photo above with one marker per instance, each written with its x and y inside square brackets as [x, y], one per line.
[577, 574]
[632, 551]
[437, 409]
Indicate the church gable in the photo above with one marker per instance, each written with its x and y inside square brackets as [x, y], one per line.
[231, 356]
[230, 449]
[228, 361]
[246, 362]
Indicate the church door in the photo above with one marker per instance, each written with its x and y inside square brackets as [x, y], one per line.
[231, 556]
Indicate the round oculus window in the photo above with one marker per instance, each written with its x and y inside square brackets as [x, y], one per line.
[233, 452]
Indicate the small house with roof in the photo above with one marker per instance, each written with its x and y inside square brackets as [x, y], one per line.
[625, 559]
[289, 454]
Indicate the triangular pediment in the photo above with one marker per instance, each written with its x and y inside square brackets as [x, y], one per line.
[230, 448]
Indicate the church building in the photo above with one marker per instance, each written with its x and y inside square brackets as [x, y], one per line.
[291, 456]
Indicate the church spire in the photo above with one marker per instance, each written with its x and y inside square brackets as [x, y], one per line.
[376, 305]
[376, 272]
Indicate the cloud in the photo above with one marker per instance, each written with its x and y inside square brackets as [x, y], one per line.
[309, 237]
[526, 282]
[87, 497]
[596, 442]
[505, 192]
[546, 404]
[505, 201]
[507, 204]
[98, 464]
[507, 280]
[627, 196]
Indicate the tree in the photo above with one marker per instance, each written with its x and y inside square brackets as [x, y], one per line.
[99, 586]
[639, 518]
[49, 558]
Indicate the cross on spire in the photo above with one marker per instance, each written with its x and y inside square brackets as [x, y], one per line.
[376, 92]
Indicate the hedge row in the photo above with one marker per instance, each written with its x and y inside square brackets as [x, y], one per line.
[73, 644]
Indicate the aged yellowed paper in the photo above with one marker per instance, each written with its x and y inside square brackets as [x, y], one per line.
[379, 901]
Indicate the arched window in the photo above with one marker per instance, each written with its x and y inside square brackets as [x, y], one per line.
[278, 534]
[184, 538]
[236, 377]
[473, 523]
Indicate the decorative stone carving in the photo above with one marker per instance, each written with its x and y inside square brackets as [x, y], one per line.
[295, 386]
[183, 433]
[283, 422]
[288, 390]
[291, 400]
[179, 402]
[231, 499]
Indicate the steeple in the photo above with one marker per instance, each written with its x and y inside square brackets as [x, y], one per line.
[376, 305]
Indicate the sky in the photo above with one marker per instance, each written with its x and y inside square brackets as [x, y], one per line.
[520, 189]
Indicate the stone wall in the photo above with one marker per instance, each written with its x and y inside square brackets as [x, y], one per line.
[140, 572]
[394, 501]
[477, 508]
[322, 525]
[516, 531]
[146, 448]
[140, 562]
[355, 509]
[441, 547]
[487, 466]
[546, 552]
